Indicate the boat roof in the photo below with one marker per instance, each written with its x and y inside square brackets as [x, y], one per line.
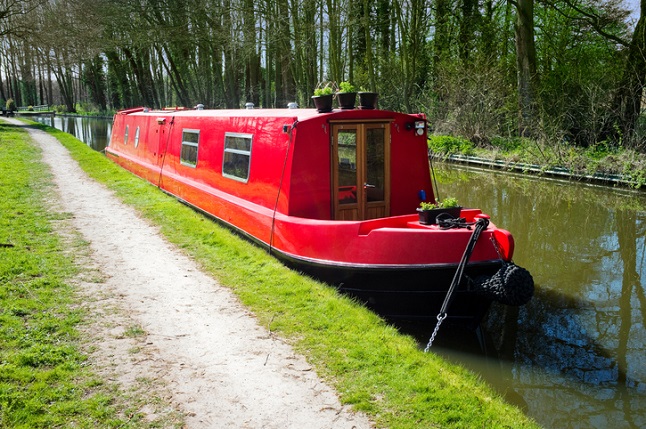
[294, 114]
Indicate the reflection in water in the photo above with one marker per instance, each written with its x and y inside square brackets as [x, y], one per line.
[95, 132]
[575, 356]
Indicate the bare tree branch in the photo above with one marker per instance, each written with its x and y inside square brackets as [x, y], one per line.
[598, 18]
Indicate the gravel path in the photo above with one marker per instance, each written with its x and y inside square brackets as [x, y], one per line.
[159, 319]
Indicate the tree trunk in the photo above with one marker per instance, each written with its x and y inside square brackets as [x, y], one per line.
[627, 102]
[284, 73]
[65, 80]
[3, 96]
[369, 54]
[94, 81]
[468, 29]
[335, 41]
[120, 94]
[526, 67]
[442, 41]
[252, 57]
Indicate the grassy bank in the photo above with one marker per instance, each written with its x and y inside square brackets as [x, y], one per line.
[45, 381]
[372, 366]
[602, 159]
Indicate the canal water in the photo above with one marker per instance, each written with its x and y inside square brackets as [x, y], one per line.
[575, 356]
[95, 132]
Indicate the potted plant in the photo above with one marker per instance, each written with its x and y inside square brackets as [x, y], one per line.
[346, 96]
[367, 99]
[429, 211]
[323, 99]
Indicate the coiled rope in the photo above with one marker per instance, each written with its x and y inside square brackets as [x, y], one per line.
[510, 285]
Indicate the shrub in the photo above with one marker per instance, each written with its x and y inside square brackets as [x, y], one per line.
[450, 145]
[11, 105]
[601, 150]
[507, 144]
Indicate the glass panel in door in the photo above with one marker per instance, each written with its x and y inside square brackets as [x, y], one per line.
[347, 166]
[375, 164]
[375, 172]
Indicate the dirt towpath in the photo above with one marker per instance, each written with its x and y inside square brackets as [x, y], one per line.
[164, 328]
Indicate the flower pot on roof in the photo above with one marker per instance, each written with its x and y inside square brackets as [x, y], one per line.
[346, 96]
[323, 99]
[428, 212]
[367, 100]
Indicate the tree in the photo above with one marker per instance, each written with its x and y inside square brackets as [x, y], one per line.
[608, 20]
[628, 98]
[11, 14]
[526, 66]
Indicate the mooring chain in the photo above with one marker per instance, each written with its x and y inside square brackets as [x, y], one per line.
[481, 224]
[440, 319]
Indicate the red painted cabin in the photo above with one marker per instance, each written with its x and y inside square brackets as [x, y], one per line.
[332, 194]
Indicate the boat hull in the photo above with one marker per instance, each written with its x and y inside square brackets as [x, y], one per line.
[253, 173]
[403, 292]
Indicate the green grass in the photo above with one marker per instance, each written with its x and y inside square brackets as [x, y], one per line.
[42, 379]
[371, 365]
[45, 381]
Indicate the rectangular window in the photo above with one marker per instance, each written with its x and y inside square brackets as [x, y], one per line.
[190, 141]
[237, 156]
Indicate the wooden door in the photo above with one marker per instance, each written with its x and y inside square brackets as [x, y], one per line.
[360, 170]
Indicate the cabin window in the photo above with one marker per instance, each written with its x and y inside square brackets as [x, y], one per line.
[190, 140]
[137, 137]
[237, 156]
[125, 136]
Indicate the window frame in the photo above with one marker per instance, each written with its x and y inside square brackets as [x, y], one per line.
[237, 152]
[196, 145]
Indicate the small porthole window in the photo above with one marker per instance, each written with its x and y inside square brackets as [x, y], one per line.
[125, 137]
[237, 156]
[190, 143]
[137, 137]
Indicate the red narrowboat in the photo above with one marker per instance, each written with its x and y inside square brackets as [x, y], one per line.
[331, 194]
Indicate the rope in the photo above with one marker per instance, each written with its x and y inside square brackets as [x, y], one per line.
[161, 167]
[511, 285]
[480, 225]
[280, 186]
[446, 221]
[435, 187]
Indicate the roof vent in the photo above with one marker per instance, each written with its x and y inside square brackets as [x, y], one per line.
[199, 107]
[292, 105]
[249, 106]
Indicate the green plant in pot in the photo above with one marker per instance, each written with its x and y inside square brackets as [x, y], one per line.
[319, 92]
[429, 211]
[347, 95]
[323, 99]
